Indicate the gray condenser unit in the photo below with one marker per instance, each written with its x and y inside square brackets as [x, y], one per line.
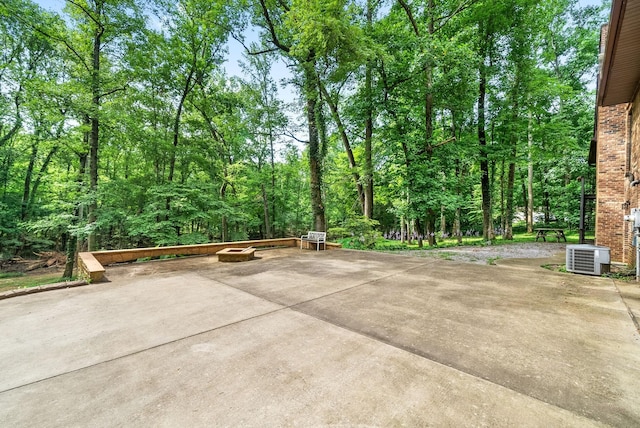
[588, 259]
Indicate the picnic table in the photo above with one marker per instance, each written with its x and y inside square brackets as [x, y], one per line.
[542, 233]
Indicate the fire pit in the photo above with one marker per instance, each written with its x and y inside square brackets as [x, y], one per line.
[236, 254]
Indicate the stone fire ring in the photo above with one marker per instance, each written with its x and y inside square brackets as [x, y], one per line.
[236, 254]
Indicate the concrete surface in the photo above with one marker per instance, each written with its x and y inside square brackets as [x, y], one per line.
[335, 338]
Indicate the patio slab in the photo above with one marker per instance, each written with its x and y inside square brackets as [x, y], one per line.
[66, 330]
[304, 338]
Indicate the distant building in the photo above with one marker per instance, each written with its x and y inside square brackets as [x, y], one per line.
[615, 149]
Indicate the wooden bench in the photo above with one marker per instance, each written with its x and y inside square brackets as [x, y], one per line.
[314, 237]
[236, 254]
[542, 233]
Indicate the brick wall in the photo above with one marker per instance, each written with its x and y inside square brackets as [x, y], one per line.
[633, 193]
[611, 184]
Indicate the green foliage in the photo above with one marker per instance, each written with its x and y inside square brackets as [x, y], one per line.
[14, 280]
[4, 275]
[360, 233]
[186, 154]
[337, 233]
[387, 245]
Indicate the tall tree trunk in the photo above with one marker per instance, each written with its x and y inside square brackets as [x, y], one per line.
[315, 151]
[38, 178]
[368, 150]
[513, 142]
[525, 203]
[511, 178]
[224, 227]
[368, 128]
[95, 125]
[457, 228]
[273, 184]
[72, 241]
[430, 220]
[265, 206]
[27, 179]
[485, 185]
[428, 96]
[333, 106]
[310, 89]
[431, 227]
[419, 231]
[456, 225]
[73, 244]
[188, 86]
[503, 209]
[4, 139]
[428, 108]
[547, 207]
[530, 175]
[84, 162]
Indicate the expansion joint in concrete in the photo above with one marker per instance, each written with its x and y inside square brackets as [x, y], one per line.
[629, 310]
[140, 351]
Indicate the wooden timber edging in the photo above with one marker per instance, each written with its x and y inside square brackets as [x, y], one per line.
[91, 264]
[47, 287]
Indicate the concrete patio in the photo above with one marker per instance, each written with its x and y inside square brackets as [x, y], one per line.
[333, 338]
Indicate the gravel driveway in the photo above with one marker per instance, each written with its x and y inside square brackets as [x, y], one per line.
[490, 253]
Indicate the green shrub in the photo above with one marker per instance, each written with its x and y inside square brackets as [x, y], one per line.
[359, 233]
[337, 233]
[389, 245]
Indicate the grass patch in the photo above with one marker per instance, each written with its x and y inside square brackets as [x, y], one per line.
[554, 267]
[519, 236]
[28, 281]
[622, 273]
[4, 275]
[492, 260]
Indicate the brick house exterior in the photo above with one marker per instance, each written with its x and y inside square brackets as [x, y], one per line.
[611, 184]
[617, 131]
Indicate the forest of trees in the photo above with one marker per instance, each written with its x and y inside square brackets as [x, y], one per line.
[120, 126]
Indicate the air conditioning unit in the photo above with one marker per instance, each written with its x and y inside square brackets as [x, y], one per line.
[588, 259]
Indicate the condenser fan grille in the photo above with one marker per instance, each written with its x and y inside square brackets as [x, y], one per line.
[583, 260]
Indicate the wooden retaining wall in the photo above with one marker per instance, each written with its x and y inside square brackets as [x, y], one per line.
[91, 264]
